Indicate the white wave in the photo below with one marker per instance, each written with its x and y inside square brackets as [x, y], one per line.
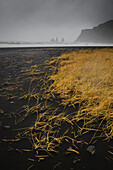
[14, 45]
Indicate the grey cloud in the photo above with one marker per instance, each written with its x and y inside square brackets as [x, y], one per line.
[32, 19]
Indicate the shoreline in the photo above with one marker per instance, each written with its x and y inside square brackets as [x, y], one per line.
[57, 46]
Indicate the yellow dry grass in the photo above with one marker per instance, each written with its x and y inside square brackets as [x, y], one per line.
[85, 77]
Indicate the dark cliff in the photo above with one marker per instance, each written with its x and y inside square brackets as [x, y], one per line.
[103, 33]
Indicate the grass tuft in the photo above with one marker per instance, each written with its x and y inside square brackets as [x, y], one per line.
[85, 77]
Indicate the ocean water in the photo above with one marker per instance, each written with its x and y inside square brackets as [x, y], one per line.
[16, 45]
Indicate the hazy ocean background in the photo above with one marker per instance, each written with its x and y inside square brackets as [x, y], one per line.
[14, 45]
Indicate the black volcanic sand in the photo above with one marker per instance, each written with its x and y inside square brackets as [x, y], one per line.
[17, 67]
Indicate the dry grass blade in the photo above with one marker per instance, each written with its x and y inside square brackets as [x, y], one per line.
[72, 150]
[57, 165]
[110, 152]
[30, 167]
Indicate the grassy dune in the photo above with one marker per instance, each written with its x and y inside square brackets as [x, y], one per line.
[86, 78]
[82, 80]
[68, 99]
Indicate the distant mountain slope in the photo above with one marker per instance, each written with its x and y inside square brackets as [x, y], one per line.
[103, 33]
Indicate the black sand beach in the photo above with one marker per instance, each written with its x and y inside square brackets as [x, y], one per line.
[18, 66]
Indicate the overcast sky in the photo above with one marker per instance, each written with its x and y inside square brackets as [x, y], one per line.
[39, 20]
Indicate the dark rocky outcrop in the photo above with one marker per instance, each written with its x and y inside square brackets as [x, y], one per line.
[103, 33]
